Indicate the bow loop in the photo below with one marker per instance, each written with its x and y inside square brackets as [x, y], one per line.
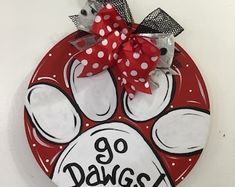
[108, 21]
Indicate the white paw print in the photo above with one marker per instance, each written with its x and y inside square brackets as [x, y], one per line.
[113, 152]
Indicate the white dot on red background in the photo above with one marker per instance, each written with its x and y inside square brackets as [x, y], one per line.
[47, 161]
[119, 78]
[108, 6]
[95, 65]
[119, 61]
[100, 54]
[123, 36]
[136, 55]
[125, 30]
[133, 73]
[70, 54]
[190, 160]
[87, 125]
[105, 67]
[97, 19]
[115, 56]
[119, 117]
[124, 81]
[50, 54]
[109, 28]
[106, 17]
[84, 62]
[54, 76]
[114, 45]
[131, 95]
[61, 147]
[187, 65]
[34, 145]
[154, 58]
[172, 106]
[117, 33]
[173, 164]
[115, 25]
[182, 178]
[89, 74]
[118, 18]
[89, 51]
[147, 127]
[190, 91]
[127, 63]
[104, 42]
[144, 65]
[102, 32]
[146, 85]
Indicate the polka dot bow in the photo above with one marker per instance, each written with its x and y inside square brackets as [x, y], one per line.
[134, 56]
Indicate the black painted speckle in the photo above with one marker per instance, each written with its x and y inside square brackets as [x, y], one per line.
[163, 51]
[84, 12]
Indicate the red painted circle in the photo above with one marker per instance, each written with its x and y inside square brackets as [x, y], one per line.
[189, 86]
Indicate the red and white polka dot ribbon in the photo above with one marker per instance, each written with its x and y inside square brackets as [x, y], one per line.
[134, 56]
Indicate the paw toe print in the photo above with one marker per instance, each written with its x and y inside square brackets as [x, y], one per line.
[52, 113]
[145, 106]
[96, 95]
[181, 131]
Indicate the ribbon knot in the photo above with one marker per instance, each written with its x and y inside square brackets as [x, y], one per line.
[134, 56]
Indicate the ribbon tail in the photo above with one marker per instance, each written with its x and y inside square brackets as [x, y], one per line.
[74, 19]
[166, 44]
[159, 22]
[85, 42]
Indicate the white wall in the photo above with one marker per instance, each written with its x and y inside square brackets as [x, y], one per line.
[29, 28]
